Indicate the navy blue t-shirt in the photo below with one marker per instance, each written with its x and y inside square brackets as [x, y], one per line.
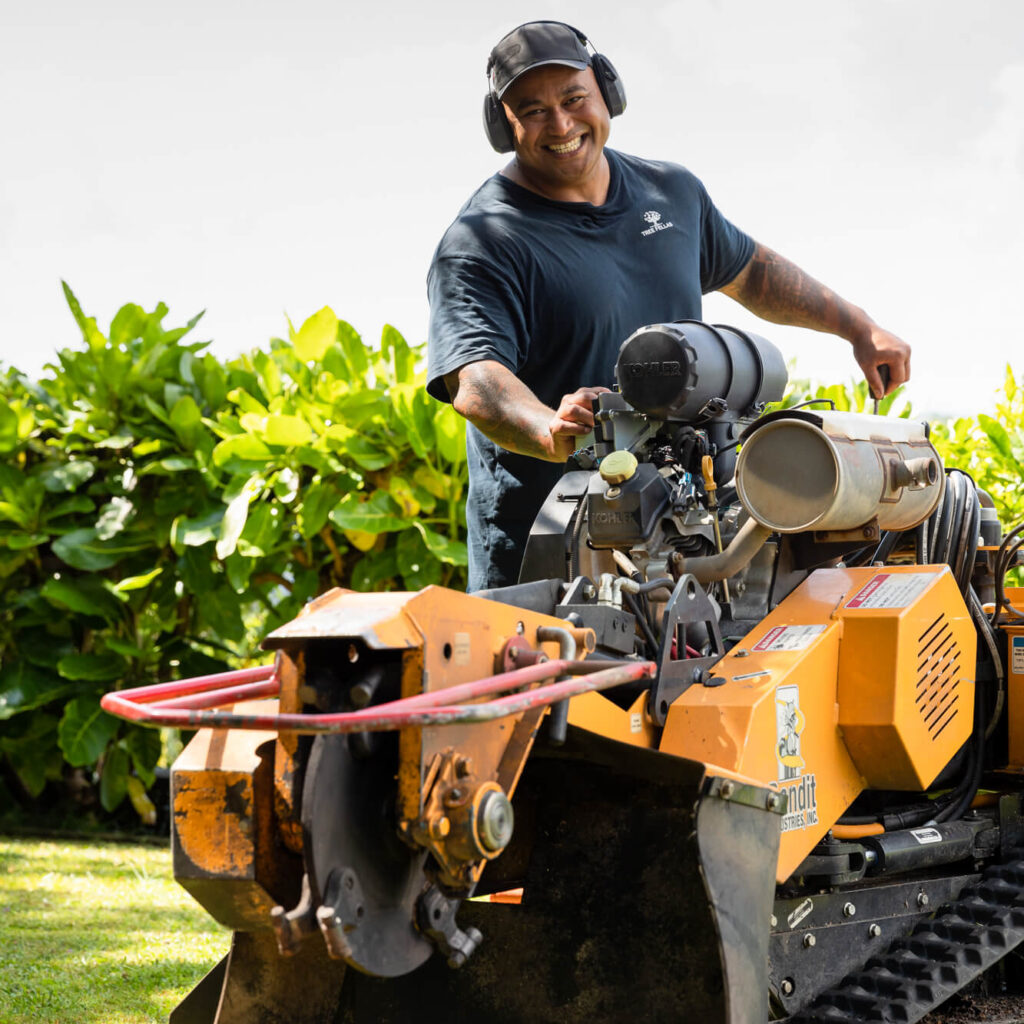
[551, 290]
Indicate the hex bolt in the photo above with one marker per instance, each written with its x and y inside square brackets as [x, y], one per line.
[922, 899]
[849, 910]
[727, 790]
[589, 591]
[520, 628]
[809, 940]
[874, 931]
[787, 988]
[773, 801]
[439, 828]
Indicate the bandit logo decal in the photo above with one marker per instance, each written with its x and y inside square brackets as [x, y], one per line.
[789, 724]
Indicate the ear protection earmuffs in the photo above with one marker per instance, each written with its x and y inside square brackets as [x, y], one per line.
[499, 131]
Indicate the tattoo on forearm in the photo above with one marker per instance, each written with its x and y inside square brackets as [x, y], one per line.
[501, 407]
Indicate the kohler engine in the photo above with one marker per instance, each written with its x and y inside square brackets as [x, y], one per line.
[680, 543]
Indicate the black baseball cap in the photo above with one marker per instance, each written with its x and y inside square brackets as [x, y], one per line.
[533, 44]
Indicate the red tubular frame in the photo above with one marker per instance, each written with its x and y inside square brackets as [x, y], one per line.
[184, 704]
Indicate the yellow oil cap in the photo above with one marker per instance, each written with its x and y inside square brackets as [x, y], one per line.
[618, 467]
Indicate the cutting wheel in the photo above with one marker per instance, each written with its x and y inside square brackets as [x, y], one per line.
[356, 863]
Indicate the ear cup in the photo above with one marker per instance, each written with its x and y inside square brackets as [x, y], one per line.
[609, 83]
[496, 126]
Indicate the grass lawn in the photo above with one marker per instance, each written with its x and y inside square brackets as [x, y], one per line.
[94, 933]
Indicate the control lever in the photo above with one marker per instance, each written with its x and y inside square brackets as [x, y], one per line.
[883, 372]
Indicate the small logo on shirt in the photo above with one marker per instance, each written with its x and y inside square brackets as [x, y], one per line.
[654, 219]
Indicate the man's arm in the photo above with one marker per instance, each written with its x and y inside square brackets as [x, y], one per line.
[775, 289]
[503, 408]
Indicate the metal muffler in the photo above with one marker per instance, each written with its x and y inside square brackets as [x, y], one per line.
[837, 471]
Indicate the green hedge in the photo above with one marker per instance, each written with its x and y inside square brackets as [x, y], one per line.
[161, 509]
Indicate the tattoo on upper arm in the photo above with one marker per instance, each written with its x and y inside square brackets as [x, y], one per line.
[780, 291]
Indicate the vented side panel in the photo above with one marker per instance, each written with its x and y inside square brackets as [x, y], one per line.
[939, 664]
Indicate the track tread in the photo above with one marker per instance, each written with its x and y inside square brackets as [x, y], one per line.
[942, 955]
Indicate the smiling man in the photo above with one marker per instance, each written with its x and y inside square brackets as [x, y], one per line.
[555, 260]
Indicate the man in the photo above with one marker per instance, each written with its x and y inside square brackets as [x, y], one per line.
[558, 258]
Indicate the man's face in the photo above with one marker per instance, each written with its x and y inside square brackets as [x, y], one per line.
[560, 124]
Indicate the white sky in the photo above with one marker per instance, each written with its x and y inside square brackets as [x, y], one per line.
[263, 158]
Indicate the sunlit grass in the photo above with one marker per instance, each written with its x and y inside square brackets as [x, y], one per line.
[97, 934]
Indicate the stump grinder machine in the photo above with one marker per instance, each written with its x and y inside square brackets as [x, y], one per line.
[744, 743]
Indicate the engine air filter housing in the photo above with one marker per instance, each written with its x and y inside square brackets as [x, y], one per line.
[692, 371]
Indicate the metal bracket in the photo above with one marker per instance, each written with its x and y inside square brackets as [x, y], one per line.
[436, 918]
[688, 604]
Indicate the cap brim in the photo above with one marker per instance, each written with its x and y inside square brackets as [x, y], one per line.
[579, 65]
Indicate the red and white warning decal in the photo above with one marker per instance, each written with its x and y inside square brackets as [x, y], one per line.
[891, 590]
[789, 638]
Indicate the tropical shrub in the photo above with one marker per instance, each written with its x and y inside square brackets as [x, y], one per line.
[160, 510]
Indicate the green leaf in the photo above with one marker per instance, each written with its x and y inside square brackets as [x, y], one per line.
[145, 747]
[129, 650]
[368, 453]
[378, 514]
[114, 778]
[84, 731]
[24, 687]
[8, 428]
[87, 325]
[241, 449]
[450, 428]
[419, 568]
[116, 442]
[128, 324]
[92, 668]
[236, 514]
[997, 434]
[454, 552]
[396, 351]
[137, 582]
[68, 476]
[221, 610]
[87, 595]
[262, 530]
[316, 335]
[193, 533]
[354, 351]
[82, 549]
[317, 500]
[287, 430]
[187, 421]
[24, 541]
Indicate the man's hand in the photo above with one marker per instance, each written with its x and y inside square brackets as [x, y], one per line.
[502, 407]
[573, 418]
[775, 289]
[881, 348]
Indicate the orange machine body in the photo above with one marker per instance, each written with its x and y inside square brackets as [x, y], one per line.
[1015, 680]
[861, 678]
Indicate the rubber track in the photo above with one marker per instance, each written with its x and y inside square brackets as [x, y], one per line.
[941, 956]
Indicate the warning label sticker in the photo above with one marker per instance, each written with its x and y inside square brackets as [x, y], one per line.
[1017, 659]
[891, 590]
[789, 638]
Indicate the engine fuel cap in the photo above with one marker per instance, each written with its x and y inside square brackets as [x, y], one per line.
[618, 467]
